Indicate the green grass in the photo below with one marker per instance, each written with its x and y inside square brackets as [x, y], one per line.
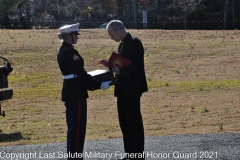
[207, 85]
[184, 91]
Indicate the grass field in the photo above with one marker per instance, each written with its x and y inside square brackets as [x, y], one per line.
[193, 79]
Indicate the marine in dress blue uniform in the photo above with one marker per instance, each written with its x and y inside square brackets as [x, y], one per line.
[76, 83]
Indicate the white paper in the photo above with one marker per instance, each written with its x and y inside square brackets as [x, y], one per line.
[97, 72]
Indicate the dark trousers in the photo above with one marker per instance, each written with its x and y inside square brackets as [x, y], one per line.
[76, 117]
[131, 124]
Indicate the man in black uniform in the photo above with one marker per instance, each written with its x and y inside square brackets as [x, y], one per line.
[131, 83]
[74, 92]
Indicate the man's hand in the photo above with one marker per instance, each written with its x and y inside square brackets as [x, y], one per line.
[105, 85]
[116, 69]
[103, 62]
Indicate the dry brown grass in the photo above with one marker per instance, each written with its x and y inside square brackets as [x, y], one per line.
[193, 78]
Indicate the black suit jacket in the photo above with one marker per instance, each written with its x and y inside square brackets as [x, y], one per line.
[132, 80]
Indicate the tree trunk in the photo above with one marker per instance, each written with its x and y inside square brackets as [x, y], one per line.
[129, 7]
[233, 14]
[27, 11]
[82, 14]
[225, 14]
[159, 4]
[119, 8]
[58, 8]
[135, 4]
[185, 20]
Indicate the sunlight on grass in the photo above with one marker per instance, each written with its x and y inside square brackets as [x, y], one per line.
[193, 79]
[195, 85]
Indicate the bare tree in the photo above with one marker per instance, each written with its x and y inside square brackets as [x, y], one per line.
[88, 9]
[148, 4]
[187, 6]
[108, 6]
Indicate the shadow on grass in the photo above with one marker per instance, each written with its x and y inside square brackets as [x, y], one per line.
[10, 137]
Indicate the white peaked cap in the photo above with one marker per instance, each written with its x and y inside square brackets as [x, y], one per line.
[73, 28]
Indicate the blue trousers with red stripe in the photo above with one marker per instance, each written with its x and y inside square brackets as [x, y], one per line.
[76, 117]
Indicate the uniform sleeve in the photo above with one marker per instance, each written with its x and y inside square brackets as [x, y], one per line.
[76, 64]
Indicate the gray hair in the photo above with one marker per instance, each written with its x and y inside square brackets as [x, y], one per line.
[116, 24]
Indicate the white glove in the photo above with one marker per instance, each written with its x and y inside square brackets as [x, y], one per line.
[105, 85]
[116, 69]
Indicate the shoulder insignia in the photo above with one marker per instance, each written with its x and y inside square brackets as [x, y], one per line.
[75, 58]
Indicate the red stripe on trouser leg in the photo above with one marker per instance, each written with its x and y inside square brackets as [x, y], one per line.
[78, 125]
